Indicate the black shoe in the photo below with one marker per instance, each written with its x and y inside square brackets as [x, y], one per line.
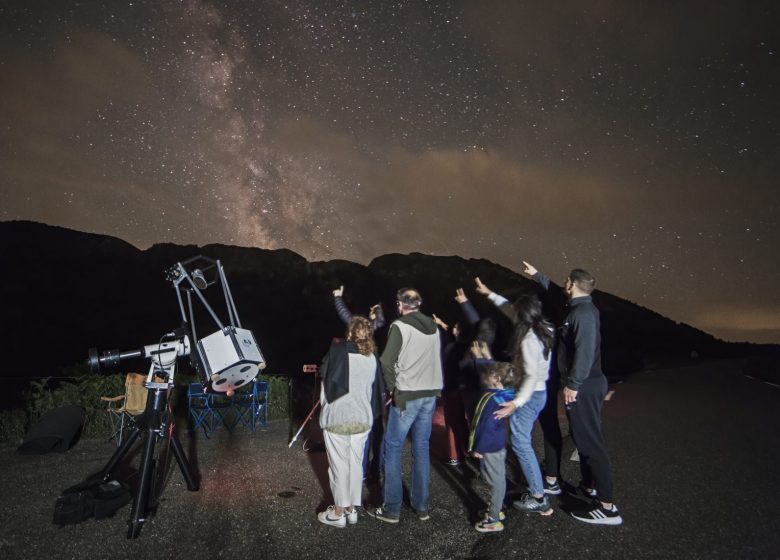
[423, 515]
[553, 489]
[599, 515]
[581, 493]
[380, 514]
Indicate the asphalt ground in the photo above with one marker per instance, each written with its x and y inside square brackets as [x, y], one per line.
[695, 453]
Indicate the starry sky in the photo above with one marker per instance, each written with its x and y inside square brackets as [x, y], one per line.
[638, 140]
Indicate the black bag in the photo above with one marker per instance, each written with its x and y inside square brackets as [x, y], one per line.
[92, 498]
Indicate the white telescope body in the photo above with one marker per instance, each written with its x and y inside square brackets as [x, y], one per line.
[230, 358]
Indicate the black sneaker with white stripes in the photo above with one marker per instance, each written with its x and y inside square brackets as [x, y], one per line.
[552, 488]
[598, 515]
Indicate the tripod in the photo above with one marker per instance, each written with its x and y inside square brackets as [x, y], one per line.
[157, 427]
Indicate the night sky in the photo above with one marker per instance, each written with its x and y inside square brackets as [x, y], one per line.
[638, 140]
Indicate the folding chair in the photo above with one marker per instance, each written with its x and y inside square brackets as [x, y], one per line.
[206, 409]
[260, 401]
[123, 409]
[244, 406]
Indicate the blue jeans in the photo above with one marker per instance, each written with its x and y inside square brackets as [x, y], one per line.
[522, 424]
[417, 419]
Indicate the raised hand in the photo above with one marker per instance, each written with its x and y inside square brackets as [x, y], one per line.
[481, 288]
[338, 292]
[484, 350]
[529, 269]
[439, 322]
[460, 296]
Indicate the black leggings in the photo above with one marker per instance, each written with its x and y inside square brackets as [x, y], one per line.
[585, 423]
[551, 429]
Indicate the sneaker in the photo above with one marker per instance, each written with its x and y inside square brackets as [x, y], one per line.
[553, 489]
[528, 504]
[329, 517]
[599, 515]
[382, 515]
[484, 514]
[351, 515]
[454, 462]
[489, 525]
[423, 515]
[582, 493]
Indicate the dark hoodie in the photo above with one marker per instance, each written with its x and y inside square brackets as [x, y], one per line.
[411, 362]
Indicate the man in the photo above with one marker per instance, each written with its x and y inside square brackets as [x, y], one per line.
[411, 364]
[585, 386]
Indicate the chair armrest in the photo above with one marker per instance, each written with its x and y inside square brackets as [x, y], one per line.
[112, 399]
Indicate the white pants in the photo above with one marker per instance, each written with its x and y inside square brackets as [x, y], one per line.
[345, 457]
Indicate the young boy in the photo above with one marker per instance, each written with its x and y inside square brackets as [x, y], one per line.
[487, 440]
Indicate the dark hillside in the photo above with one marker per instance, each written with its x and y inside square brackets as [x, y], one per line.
[66, 291]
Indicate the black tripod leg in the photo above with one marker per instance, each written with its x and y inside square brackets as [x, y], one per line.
[120, 453]
[138, 512]
[154, 406]
[184, 465]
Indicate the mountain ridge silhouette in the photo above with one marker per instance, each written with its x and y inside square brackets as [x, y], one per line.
[67, 291]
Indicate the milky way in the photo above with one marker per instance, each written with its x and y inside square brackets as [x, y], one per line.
[636, 140]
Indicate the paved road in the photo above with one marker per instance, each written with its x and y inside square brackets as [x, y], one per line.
[695, 452]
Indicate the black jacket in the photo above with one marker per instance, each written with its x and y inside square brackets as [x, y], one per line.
[335, 375]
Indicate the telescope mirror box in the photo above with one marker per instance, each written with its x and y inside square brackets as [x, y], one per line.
[230, 358]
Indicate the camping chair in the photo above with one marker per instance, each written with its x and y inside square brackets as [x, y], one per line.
[251, 406]
[123, 409]
[244, 406]
[260, 391]
[206, 409]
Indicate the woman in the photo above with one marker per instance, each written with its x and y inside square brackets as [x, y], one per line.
[530, 349]
[351, 397]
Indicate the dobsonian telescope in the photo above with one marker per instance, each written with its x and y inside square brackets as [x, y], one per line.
[224, 361]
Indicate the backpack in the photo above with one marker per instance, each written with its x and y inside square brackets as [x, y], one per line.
[92, 498]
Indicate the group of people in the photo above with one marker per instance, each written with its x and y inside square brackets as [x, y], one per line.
[483, 398]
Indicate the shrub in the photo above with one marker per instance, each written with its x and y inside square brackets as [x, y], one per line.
[85, 389]
[13, 425]
[278, 396]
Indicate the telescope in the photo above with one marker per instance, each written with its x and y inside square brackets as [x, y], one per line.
[230, 357]
[162, 355]
[224, 360]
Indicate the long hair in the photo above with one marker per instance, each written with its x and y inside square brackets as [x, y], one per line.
[361, 333]
[528, 317]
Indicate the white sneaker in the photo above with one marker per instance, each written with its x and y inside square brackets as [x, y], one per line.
[351, 515]
[329, 517]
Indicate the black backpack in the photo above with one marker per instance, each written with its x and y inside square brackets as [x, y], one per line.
[92, 498]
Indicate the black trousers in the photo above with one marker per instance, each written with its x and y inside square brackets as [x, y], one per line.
[585, 423]
[551, 428]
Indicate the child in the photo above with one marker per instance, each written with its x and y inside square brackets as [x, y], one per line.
[487, 440]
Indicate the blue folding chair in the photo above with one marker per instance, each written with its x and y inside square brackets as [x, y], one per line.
[206, 412]
[244, 406]
[260, 400]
